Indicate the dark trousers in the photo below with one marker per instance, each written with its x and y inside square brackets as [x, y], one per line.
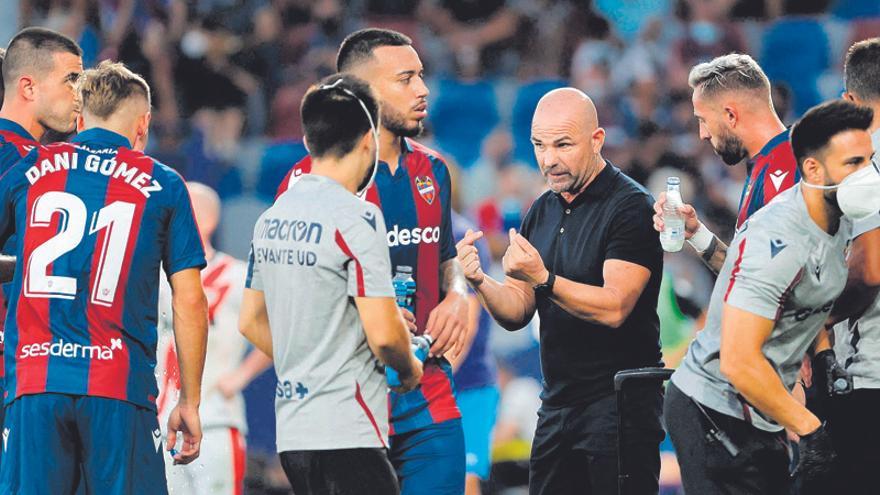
[340, 472]
[707, 468]
[855, 433]
[575, 448]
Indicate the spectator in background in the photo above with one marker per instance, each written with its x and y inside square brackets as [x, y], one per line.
[795, 51]
[472, 31]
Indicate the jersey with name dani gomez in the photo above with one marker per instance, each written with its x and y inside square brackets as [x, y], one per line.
[15, 143]
[415, 202]
[93, 221]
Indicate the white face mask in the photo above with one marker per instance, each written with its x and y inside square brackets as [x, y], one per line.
[858, 194]
[374, 128]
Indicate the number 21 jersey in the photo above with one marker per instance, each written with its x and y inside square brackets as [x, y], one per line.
[93, 220]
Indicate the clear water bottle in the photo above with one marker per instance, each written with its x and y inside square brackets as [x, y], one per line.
[672, 237]
[404, 288]
[421, 346]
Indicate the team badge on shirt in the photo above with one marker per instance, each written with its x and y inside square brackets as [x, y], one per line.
[425, 186]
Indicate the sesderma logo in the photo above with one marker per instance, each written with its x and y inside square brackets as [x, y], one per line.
[71, 350]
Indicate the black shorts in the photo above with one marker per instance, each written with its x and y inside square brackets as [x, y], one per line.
[575, 448]
[340, 472]
[707, 468]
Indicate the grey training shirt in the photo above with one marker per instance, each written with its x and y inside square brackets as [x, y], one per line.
[313, 251]
[857, 342]
[780, 266]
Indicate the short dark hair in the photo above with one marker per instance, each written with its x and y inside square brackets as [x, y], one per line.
[861, 70]
[333, 120]
[811, 134]
[2, 86]
[32, 49]
[359, 45]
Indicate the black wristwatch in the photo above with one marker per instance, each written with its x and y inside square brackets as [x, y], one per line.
[546, 289]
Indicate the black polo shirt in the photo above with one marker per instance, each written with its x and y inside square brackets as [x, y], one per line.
[610, 219]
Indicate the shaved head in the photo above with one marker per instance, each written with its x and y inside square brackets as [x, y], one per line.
[206, 206]
[566, 106]
[567, 140]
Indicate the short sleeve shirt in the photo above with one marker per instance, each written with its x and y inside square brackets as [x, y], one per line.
[313, 251]
[610, 220]
[781, 266]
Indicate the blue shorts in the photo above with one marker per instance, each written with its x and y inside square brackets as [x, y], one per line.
[53, 442]
[430, 461]
[478, 408]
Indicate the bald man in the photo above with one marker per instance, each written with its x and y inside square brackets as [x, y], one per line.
[589, 262]
[227, 369]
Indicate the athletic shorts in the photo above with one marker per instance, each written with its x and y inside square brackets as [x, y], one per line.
[340, 472]
[53, 443]
[431, 460]
[478, 407]
[219, 470]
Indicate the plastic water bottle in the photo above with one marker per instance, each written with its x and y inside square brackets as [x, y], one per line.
[421, 346]
[404, 288]
[672, 237]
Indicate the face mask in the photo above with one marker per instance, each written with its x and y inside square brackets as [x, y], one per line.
[374, 128]
[858, 194]
[704, 33]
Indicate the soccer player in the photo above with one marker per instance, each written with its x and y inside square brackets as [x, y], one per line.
[93, 220]
[729, 401]
[412, 188]
[319, 299]
[40, 68]
[735, 111]
[221, 467]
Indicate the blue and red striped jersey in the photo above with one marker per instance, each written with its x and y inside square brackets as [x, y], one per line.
[415, 202]
[773, 170]
[93, 221]
[15, 143]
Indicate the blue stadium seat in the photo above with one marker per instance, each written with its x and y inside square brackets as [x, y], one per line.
[462, 115]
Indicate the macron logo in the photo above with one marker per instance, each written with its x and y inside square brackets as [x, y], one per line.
[71, 350]
[370, 218]
[776, 177]
[776, 246]
[157, 438]
[5, 438]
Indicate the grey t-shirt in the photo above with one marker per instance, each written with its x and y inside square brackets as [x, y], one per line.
[857, 342]
[313, 251]
[780, 266]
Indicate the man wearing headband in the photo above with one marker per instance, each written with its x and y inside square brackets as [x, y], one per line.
[729, 401]
[319, 300]
[413, 189]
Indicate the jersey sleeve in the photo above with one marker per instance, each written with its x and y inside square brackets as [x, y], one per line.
[447, 240]
[363, 240]
[183, 248]
[10, 183]
[768, 263]
[631, 234]
[866, 225]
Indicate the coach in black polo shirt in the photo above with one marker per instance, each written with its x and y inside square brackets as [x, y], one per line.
[590, 262]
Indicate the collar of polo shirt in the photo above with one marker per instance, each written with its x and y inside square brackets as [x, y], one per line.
[598, 188]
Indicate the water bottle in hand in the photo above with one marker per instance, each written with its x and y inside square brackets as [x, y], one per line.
[421, 346]
[672, 237]
[404, 288]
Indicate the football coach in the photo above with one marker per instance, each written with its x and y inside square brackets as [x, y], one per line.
[589, 261]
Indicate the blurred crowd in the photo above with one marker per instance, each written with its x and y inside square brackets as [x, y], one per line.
[228, 76]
